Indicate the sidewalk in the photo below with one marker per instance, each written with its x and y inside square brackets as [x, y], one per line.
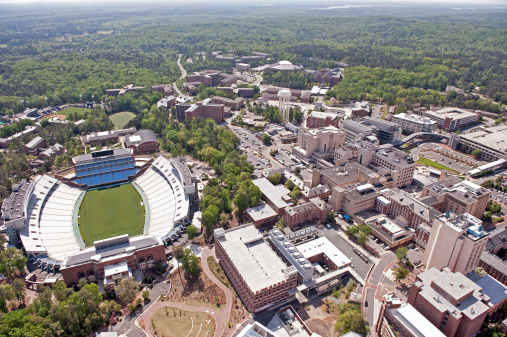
[221, 317]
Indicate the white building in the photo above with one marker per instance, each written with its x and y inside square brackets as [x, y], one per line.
[414, 123]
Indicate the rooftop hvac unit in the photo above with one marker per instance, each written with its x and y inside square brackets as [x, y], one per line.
[301, 261]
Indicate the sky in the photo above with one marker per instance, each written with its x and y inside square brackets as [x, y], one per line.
[352, 2]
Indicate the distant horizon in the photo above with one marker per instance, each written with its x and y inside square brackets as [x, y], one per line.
[330, 4]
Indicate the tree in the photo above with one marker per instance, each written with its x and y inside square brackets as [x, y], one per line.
[6, 294]
[190, 262]
[280, 224]
[480, 271]
[487, 216]
[11, 262]
[177, 252]
[127, 290]
[400, 273]
[146, 295]
[363, 238]
[289, 185]
[241, 201]
[19, 289]
[224, 219]
[191, 232]
[349, 319]
[296, 193]
[495, 331]
[266, 139]
[477, 153]
[273, 152]
[330, 216]
[401, 253]
[275, 178]
[210, 216]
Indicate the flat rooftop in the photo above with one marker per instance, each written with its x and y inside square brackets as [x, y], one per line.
[253, 257]
[273, 193]
[323, 246]
[261, 212]
[491, 287]
[494, 137]
[454, 113]
[415, 322]
[458, 287]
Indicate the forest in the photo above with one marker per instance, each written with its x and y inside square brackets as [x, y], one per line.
[63, 56]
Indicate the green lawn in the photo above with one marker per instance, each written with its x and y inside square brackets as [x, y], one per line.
[109, 212]
[121, 119]
[66, 112]
[425, 161]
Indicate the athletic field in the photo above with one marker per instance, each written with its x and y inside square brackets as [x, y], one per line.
[109, 212]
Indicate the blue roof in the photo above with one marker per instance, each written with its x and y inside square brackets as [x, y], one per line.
[346, 216]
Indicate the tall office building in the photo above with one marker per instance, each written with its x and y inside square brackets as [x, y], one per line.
[456, 241]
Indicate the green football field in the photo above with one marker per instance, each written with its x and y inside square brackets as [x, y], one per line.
[109, 212]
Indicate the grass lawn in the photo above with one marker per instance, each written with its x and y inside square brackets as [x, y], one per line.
[169, 321]
[427, 162]
[68, 111]
[121, 119]
[109, 212]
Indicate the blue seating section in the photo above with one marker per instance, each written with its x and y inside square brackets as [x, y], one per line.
[105, 172]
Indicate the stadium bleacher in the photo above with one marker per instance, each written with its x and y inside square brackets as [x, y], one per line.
[104, 167]
[50, 210]
[165, 196]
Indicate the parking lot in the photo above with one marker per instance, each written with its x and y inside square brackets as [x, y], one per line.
[360, 266]
[454, 164]
[248, 140]
[258, 162]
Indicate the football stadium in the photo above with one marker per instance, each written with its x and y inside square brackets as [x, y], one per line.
[114, 215]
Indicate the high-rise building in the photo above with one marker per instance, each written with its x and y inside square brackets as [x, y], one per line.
[456, 242]
[319, 143]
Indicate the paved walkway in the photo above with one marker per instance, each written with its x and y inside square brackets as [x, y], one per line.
[221, 317]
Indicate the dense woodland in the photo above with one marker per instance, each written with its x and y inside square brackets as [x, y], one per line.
[62, 57]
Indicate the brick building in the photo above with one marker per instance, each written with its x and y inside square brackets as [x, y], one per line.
[450, 301]
[259, 276]
[409, 212]
[112, 255]
[458, 196]
[314, 210]
[234, 104]
[397, 318]
[494, 266]
[143, 141]
[32, 147]
[319, 119]
[203, 109]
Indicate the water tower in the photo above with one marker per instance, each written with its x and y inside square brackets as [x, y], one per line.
[284, 99]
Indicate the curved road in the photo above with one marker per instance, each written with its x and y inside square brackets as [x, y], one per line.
[183, 76]
[221, 317]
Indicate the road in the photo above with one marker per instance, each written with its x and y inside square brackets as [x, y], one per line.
[183, 76]
[372, 285]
